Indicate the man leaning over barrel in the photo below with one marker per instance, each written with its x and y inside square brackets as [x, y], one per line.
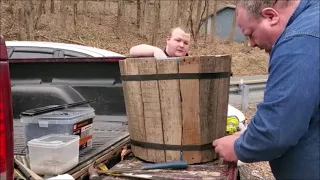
[286, 127]
[178, 42]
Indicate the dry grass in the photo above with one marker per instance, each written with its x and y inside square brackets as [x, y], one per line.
[97, 29]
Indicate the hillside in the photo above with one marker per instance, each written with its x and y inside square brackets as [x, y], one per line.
[97, 29]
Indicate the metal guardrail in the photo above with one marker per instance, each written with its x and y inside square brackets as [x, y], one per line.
[243, 87]
[236, 87]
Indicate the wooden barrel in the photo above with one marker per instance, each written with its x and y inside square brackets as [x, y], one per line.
[176, 107]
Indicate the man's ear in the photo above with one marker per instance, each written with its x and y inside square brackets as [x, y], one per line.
[271, 14]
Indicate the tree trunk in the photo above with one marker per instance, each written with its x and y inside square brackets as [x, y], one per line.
[104, 7]
[213, 23]
[207, 20]
[198, 11]
[29, 14]
[178, 17]
[10, 9]
[138, 13]
[197, 25]
[120, 17]
[173, 5]
[85, 12]
[75, 15]
[144, 18]
[22, 36]
[38, 13]
[84, 8]
[52, 7]
[63, 25]
[156, 22]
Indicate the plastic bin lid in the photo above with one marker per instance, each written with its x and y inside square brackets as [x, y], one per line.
[53, 140]
[66, 114]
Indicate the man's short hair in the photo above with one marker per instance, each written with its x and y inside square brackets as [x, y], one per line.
[254, 7]
[178, 27]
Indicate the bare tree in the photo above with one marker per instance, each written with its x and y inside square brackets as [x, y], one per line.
[173, 5]
[39, 11]
[29, 14]
[213, 23]
[178, 16]
[63, 13]
[207, 20]
[138, 13]
[198, 12]
[32, 11]
[52, 6]
[10, 9]
[85, 12]
[75, 14]
[156, 22]
[195, 25]
[21, 25]
[121, 15]
[144, 18]
[84, 8]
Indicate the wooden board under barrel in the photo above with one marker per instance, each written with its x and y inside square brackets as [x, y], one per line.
[215, 170]
[176, 111]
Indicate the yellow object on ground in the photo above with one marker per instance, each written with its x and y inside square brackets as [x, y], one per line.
[102, 167]
[232, 125]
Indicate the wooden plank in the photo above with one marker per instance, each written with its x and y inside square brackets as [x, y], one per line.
[190, 108]
[134, 105]
[214, 170]
[152, 110]
[170, 101]
[223, 64]
[208, 103]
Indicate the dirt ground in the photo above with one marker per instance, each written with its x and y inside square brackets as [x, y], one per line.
[97, 29]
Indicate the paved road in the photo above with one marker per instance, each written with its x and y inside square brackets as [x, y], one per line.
[254, 97]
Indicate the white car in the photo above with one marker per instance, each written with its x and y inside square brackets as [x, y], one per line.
[38, 49]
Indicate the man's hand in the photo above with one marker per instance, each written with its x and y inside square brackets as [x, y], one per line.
[224, 147]
[158, 53]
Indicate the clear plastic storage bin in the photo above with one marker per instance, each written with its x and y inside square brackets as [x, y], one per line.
[53, 154]
[76, 121]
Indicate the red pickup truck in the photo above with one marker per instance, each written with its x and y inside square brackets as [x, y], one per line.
[6, 121]
[61, 81]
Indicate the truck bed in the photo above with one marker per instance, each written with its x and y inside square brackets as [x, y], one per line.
[109, 135]
[108, 130]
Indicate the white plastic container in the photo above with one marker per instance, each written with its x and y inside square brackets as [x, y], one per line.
[77, 121]
[53, 154]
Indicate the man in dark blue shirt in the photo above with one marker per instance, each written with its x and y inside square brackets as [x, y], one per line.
[286, 127]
